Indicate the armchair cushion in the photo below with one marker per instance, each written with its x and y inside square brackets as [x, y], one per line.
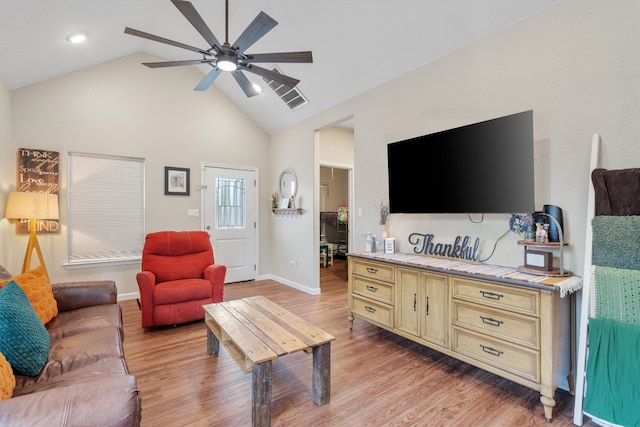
[181, 290]
[173, 255]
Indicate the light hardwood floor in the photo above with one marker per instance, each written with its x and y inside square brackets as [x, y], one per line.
[378, 378]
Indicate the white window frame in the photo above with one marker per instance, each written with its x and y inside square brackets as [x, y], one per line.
[105, 223]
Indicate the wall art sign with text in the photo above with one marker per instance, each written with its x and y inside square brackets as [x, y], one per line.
[460, 248]
[38, 172]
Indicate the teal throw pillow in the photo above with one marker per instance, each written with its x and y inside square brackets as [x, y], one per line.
[24, 340]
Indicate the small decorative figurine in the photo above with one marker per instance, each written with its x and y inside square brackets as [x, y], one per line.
[541, 233]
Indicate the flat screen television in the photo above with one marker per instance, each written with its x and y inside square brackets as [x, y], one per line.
[484, 167]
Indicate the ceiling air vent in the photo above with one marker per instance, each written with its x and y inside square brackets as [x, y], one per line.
[290, 95]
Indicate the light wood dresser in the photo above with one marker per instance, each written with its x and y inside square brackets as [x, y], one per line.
[514, 328]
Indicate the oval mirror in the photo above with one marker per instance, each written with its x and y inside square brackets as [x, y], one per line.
[288, 184]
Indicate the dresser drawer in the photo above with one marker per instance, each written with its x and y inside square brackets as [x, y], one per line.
[374, 270]
[503, 297]
[372, 310]
[518, 360]
[379, 291]
[517, 329]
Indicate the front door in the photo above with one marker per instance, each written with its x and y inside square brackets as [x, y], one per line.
[229, 218]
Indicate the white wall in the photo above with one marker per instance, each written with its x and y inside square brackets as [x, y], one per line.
[335, 152]
[337, 184]
[336, 146]
[576, 64]
[123, 108]
[7, 176]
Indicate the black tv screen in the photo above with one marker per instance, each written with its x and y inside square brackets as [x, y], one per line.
[485, 167]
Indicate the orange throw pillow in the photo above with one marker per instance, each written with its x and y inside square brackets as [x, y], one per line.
[37, 287]
[7, 379]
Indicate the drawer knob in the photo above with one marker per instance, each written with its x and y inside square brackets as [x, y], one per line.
[372, 288]
[369, 309]
[491, 295]
[372, 270]
[490, 321]
[492, 351]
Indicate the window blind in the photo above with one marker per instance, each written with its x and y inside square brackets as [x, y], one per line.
[105, 213]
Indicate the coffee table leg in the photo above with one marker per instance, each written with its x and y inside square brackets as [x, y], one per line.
[321, 381]
[213, 345]
[261, 409]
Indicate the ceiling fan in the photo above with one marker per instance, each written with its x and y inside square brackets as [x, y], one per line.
[225, 56]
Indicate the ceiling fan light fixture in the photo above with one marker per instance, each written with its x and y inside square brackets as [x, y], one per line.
[227, 62]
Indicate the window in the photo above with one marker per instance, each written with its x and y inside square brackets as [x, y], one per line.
[105, 214]
[230, 203]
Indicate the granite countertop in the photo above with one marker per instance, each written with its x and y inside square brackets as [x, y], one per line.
[510, 275]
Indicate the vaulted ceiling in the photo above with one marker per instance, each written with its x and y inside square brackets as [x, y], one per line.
[356, 44]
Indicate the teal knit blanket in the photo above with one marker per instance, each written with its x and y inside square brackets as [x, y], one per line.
[617, 294]
[616, 241]
[613, 373]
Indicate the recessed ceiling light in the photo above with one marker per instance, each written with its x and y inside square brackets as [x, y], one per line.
[257, 87]
[77, 38]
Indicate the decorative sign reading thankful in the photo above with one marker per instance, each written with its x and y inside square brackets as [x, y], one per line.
[459, 249]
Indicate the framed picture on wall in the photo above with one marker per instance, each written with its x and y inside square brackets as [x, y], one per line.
[176, 181]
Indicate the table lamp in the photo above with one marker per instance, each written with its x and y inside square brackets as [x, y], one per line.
[32, 206]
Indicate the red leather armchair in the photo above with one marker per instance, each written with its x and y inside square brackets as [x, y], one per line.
[178, 277]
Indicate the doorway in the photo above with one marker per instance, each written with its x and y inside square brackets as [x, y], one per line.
[229, 212]
[334, 189]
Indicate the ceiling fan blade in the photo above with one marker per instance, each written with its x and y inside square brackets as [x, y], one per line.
[244, 83]
[208, 80]
[260, 26]
[263, 72]
[281, 57]
[148, 36]
[177, 63]
[192, 15]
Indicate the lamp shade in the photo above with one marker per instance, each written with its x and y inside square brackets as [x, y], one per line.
[24, 205]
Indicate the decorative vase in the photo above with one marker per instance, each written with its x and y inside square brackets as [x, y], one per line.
[530, 234]
[383, 232]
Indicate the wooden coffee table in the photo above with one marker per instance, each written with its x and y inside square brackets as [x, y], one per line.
[256, 331]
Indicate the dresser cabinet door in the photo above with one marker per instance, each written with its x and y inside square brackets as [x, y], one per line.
[407, 310]
[435, 298]
[422, 301]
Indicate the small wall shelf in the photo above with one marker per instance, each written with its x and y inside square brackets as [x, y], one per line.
[560, 271]
[286, 212]
[533, 244]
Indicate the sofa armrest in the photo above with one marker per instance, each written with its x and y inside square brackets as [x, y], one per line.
[74, 295]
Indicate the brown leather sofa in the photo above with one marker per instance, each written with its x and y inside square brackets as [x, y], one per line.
[85, 381]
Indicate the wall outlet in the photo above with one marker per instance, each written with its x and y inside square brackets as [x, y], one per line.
[294, 263]
[193, 212]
